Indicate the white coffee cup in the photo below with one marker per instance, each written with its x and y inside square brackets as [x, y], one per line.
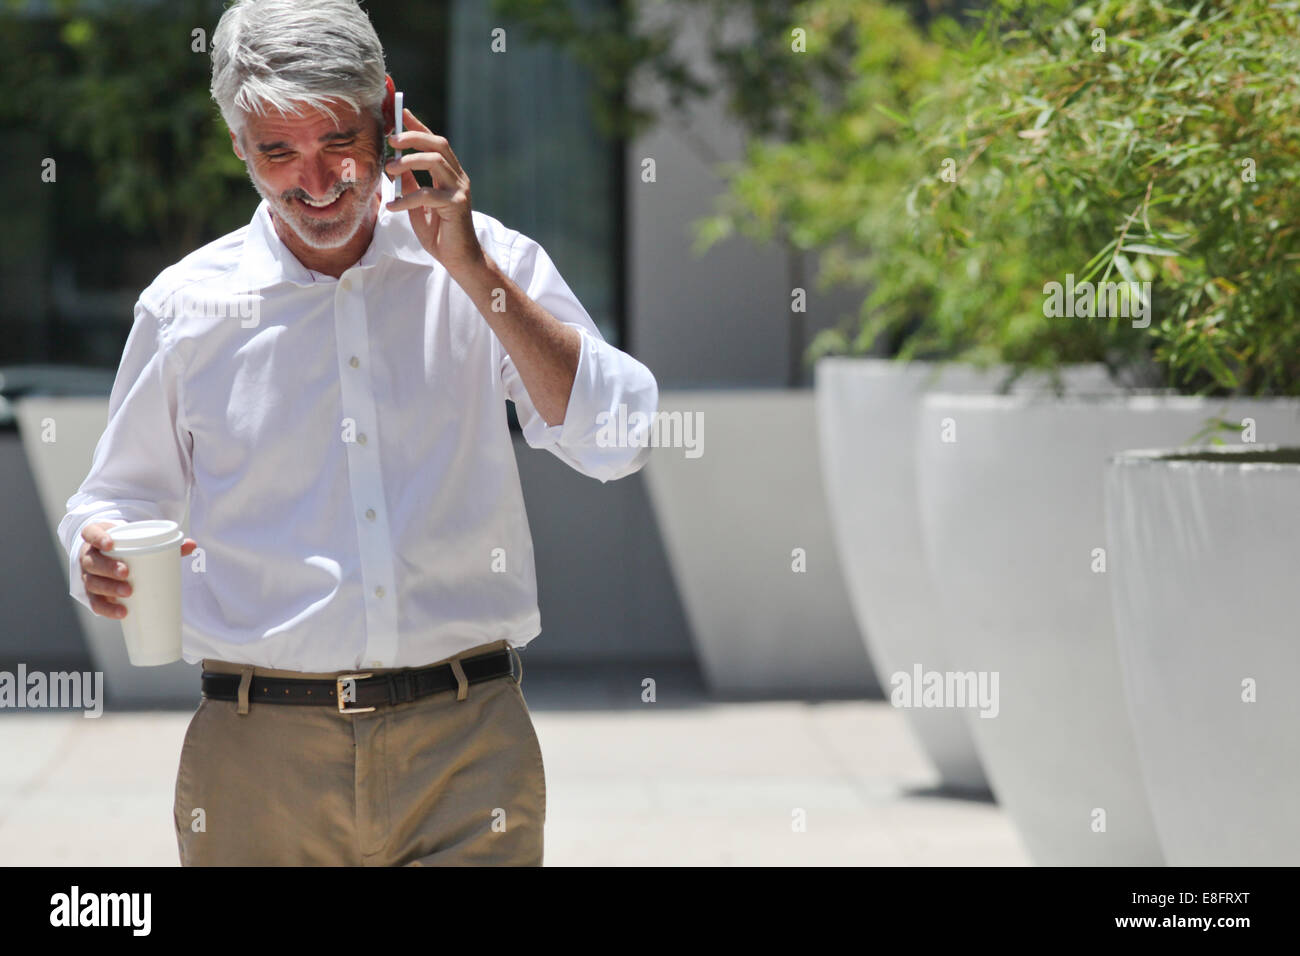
[151, 551]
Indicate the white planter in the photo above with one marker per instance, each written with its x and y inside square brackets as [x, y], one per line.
[867, 417]
[59, 467]
[731, 519]
[1204, 560]
[1014, 515]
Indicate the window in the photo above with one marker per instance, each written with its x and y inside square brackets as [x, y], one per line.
[520, 122]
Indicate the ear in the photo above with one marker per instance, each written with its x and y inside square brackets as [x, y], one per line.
[234, 142]
[390, 122]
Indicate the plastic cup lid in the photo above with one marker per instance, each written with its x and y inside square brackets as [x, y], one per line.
[136, 535]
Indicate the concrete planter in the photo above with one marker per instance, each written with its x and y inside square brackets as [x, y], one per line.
[1015, 533]
[58, 468]
[867, 420]
[731, 520]
[1205, 545]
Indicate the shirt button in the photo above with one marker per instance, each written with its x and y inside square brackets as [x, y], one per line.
[379, 591]
[370, 513]
[345, 285]
[354, 361]
[361, 437]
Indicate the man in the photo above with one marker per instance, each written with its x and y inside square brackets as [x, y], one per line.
[323, 391]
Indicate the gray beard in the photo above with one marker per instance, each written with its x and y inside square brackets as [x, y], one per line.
[316, 233]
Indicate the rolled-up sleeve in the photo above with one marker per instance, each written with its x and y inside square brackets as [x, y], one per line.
[142, 465]
[607, 427]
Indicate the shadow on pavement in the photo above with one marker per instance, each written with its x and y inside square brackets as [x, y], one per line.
[947, 793]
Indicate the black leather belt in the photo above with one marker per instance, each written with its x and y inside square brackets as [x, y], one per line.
[360, 692]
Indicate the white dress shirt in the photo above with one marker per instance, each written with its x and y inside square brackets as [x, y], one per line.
[341, 446]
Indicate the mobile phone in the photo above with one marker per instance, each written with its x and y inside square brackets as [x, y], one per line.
[393, 103]
[397, 128]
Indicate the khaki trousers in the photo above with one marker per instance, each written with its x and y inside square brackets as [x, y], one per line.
[436, 781]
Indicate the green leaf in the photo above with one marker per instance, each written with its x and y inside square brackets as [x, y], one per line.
[894, 115]
[1149, 250]
[1125, 268]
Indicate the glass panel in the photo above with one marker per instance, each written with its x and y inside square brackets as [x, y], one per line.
[520, 122]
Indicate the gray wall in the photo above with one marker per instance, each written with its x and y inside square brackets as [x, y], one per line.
[604, 588]
[40, 624]
[721, 319]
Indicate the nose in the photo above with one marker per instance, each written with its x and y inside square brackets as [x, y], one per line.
[318, 177]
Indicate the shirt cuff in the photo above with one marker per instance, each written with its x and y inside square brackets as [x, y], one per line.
[582, 404]
[607, 421]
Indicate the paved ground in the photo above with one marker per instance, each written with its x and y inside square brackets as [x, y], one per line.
[684, 781]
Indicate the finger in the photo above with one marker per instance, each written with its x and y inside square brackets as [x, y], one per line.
[411, 188]
[107, 587]
[97, 536]
[105, 608]
[421, 142]
[418, 197]
[436, 164]
[411, 121]
[419, 136]
[96, 562]
[411, 185]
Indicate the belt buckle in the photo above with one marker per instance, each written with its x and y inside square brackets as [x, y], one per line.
[338, 692]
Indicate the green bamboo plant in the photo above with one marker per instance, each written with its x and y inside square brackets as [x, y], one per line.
[1140, 143]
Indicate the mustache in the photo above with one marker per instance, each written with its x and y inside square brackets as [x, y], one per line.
[300, 194]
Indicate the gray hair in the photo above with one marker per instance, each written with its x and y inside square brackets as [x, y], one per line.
[290, 54]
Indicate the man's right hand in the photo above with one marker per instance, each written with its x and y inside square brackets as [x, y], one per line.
[106, 577]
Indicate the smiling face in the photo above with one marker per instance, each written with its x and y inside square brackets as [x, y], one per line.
[318, 175]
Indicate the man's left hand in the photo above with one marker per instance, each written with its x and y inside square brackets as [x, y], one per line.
[440, 214]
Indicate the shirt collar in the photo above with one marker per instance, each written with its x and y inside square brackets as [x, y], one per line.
[266, 261]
